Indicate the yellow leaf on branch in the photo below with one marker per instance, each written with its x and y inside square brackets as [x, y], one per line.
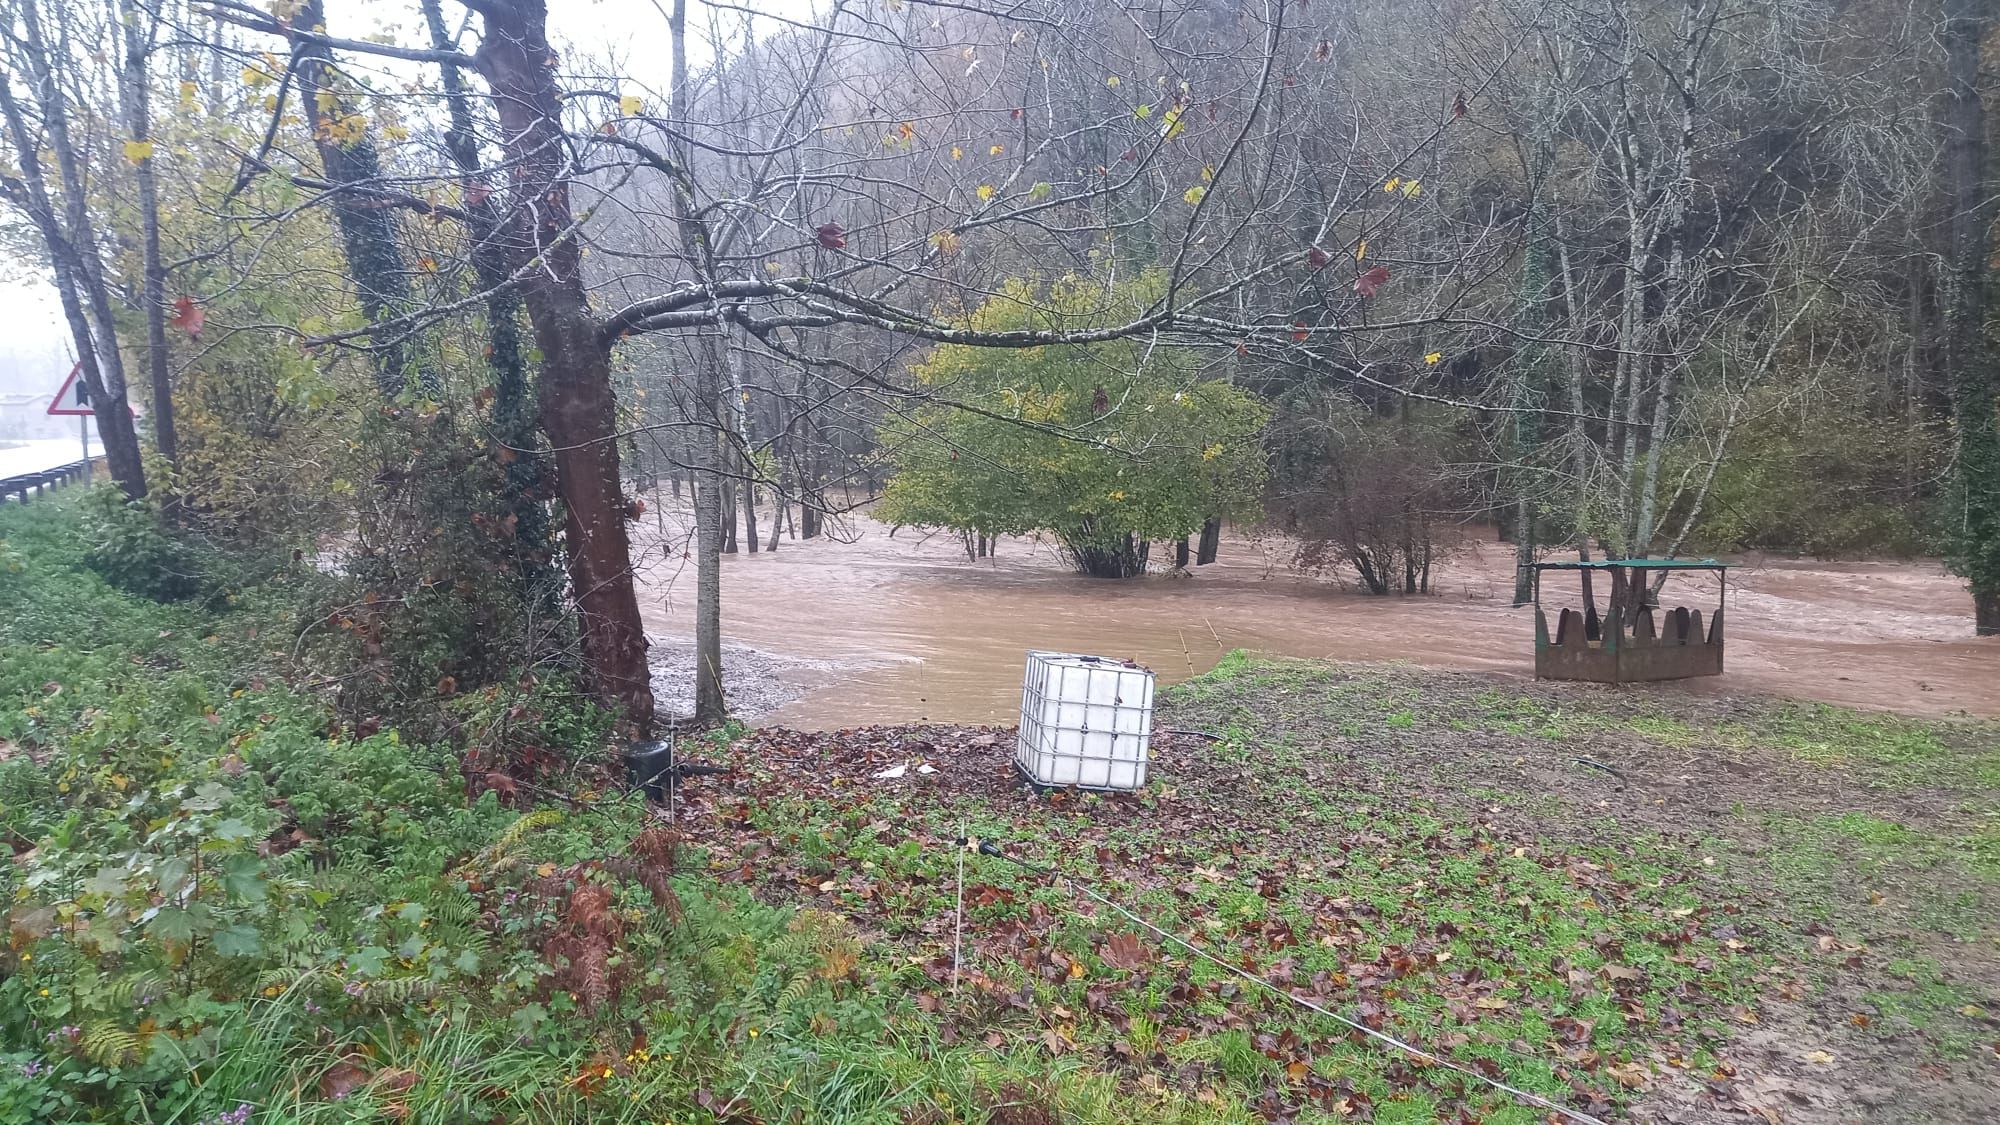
[138, 151]
[985, 192]
[631, 105]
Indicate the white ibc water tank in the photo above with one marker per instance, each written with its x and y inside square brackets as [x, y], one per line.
[1085, 721]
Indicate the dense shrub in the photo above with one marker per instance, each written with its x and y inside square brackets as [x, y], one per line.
[222, 900]
[1377, 499]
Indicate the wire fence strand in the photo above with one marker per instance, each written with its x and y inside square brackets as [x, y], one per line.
[987, 847]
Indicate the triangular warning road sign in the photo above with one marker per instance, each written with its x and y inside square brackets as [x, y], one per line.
[74, 398]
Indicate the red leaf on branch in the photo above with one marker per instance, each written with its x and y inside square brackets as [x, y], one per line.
[1299, 332]
[187, 316]
[832, 237]
[1458, 107]
[1318, 258]
[1369, 282]
[1130, 154]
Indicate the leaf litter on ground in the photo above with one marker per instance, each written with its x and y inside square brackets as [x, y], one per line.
[1582, 974]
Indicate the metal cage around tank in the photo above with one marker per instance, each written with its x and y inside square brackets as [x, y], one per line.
[1086, 722]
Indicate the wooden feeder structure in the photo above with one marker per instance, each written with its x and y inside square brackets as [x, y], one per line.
[1634, 641]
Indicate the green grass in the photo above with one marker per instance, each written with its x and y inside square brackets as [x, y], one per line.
[1906, 874]
[348, 915]
[221, 895]
[1444, 929]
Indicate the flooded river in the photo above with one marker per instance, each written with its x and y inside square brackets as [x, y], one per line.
[828, 633]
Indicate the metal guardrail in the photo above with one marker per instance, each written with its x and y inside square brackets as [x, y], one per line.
[40, 483]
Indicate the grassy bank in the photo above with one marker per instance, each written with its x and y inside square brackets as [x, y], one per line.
[1637, 902]
[226, 905]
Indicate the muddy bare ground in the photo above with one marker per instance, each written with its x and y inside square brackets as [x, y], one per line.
[1843, 852]
[907, 629]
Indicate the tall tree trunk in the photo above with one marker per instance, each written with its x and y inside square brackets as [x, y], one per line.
[711, 705]
[578, 411]
[1524, 436]
[1697, 22]
[367, 229]
[725, 465]
[1968, 353]
[1579, 437]
[134, 85]
[780, 507]
[71, 241]
[742, 442]
[506, 361]
[710, 420]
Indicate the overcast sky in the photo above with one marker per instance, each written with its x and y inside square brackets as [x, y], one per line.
[631, 35]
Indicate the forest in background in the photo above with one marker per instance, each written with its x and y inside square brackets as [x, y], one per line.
[434, 302]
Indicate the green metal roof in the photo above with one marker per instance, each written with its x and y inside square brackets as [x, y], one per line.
[1641, 564]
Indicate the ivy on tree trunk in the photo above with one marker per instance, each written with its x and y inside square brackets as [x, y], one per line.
[367, 229]
[578, 411]
[1969, 354]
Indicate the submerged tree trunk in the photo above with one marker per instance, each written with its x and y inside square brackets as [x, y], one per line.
[1126, 558]
[1211, 542]
[1371, 575]
[577, 406]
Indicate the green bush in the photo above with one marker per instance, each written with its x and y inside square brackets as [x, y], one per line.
[133, 554]
[226, 905]
[1106, 446]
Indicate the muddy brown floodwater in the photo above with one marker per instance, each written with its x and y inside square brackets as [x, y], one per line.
[875, 629]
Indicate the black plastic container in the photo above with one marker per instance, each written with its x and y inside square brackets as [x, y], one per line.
[649, 767]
